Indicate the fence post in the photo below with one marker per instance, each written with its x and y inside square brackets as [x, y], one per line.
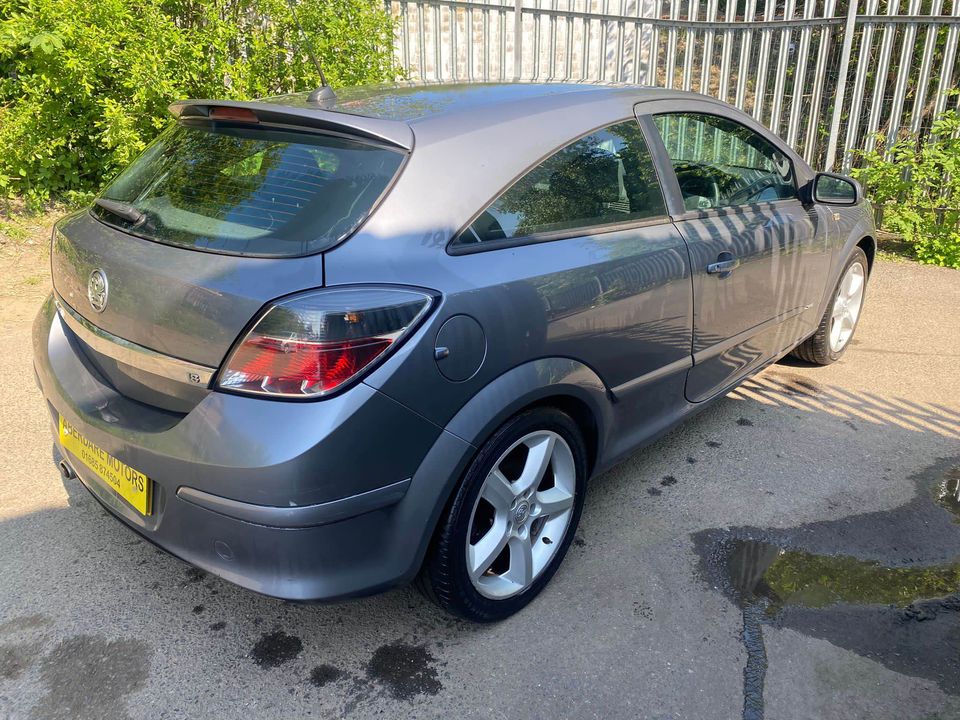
[517, 38]
[848, 30]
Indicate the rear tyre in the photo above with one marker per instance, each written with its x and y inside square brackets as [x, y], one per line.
[512, 519]
[839, 321]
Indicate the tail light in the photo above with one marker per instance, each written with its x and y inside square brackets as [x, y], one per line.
[313, 344]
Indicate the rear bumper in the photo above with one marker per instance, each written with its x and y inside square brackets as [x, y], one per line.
[303, 501]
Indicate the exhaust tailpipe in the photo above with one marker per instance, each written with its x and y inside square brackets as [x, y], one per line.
[66, 472]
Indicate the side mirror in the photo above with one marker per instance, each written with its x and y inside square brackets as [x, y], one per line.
[831, 189]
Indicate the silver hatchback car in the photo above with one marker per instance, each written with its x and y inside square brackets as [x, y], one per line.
[322, 346]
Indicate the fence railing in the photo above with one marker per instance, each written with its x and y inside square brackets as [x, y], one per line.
[824, 74]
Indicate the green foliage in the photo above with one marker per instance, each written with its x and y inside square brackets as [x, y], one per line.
[84, 86]
[918, 183]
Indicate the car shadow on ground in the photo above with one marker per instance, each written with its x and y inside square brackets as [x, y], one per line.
[72, 564]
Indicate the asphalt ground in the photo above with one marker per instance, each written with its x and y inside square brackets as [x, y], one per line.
[787, 552]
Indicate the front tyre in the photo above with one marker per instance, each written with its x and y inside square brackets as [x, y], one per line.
[839, 321]
[511, 520]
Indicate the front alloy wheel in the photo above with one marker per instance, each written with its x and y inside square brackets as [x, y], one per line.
[839, 321]
[846, 306]
[512, 519]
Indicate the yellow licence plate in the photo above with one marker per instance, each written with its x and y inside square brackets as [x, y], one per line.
[132, 485]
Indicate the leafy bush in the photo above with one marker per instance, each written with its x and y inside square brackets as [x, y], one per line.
[84, 86]
[918, 184]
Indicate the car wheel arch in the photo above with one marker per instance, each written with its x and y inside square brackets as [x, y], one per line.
[566, 384]
[863, 235]
[563, 383]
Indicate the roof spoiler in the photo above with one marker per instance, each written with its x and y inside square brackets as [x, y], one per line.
[390, 132]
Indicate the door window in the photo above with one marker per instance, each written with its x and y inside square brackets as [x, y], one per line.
[721, 163]
[602, 178]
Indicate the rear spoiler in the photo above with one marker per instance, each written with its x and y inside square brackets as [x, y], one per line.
[390, 132]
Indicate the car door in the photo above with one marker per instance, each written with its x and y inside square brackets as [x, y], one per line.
[756, 261]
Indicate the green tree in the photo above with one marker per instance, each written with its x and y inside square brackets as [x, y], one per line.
[85, 86]
[918, 185]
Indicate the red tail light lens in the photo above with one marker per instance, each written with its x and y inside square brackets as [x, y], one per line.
[313, 344]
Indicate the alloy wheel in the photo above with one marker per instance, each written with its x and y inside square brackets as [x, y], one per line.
[521, 515]
[846, 306]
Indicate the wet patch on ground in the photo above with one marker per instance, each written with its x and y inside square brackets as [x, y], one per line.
[192, 576]
[948, 492]
[89, 677]
[885, 585]
[324, 675]
[17, 657]
[23, 623]
[276, 648]
[405, 670]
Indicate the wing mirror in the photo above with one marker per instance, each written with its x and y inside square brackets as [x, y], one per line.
[830, 189]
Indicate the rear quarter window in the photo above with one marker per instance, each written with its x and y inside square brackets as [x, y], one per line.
[604, 178]
[250, 190]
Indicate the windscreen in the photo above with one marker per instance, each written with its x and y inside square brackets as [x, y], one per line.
[248, 190]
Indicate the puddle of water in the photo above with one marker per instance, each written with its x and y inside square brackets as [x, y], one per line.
[948, 492]
[884, 585]
[793, 577]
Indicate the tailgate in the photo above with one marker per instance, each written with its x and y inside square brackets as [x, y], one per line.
[177, 302]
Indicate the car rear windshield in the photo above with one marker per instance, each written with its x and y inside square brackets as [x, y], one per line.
[248, 190]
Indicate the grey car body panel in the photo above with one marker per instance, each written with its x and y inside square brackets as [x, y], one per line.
[526, 385]
[852, 225]
[246, 449]
[765, 303]
[619, 302]
[340, 497]
[549, 299]
[184, 303]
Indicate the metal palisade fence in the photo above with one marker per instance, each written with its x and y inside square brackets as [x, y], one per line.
[826, 75]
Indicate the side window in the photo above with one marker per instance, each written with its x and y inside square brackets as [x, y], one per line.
[721, 163]
[604, 177]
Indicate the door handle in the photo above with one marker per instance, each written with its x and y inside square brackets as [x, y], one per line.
[724, 265]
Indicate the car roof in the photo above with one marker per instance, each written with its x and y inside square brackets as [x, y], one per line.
[417, 102]
[397, 113]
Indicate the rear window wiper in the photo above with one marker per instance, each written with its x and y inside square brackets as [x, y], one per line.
[122, 210]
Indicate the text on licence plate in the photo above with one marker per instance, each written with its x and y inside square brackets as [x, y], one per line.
[132, 485]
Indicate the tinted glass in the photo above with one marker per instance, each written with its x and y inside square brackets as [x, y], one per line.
[248, 190]
[720, 163]
[602, 178]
